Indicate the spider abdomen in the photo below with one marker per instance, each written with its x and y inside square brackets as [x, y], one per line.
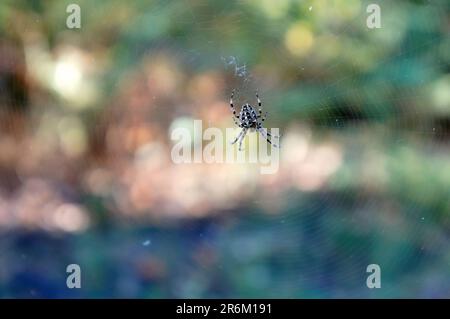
[248, 116]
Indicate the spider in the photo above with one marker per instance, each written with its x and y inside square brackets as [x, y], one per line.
[249, 119]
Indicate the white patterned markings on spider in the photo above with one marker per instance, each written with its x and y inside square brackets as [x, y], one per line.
[248, 119]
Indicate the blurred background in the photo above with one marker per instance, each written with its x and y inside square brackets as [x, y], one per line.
[86, 175]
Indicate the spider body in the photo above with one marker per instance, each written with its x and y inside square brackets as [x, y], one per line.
[250, 119]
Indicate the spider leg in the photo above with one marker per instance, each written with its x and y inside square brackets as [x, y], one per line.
[270, 135]
[233, 109]
[265, 136]
[259, 101]
[239, 136]
[260, 116]
[242, 138]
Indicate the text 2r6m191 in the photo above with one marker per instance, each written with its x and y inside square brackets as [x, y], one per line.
[245, 308]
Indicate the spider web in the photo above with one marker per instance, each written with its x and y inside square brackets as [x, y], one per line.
[324, 241]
